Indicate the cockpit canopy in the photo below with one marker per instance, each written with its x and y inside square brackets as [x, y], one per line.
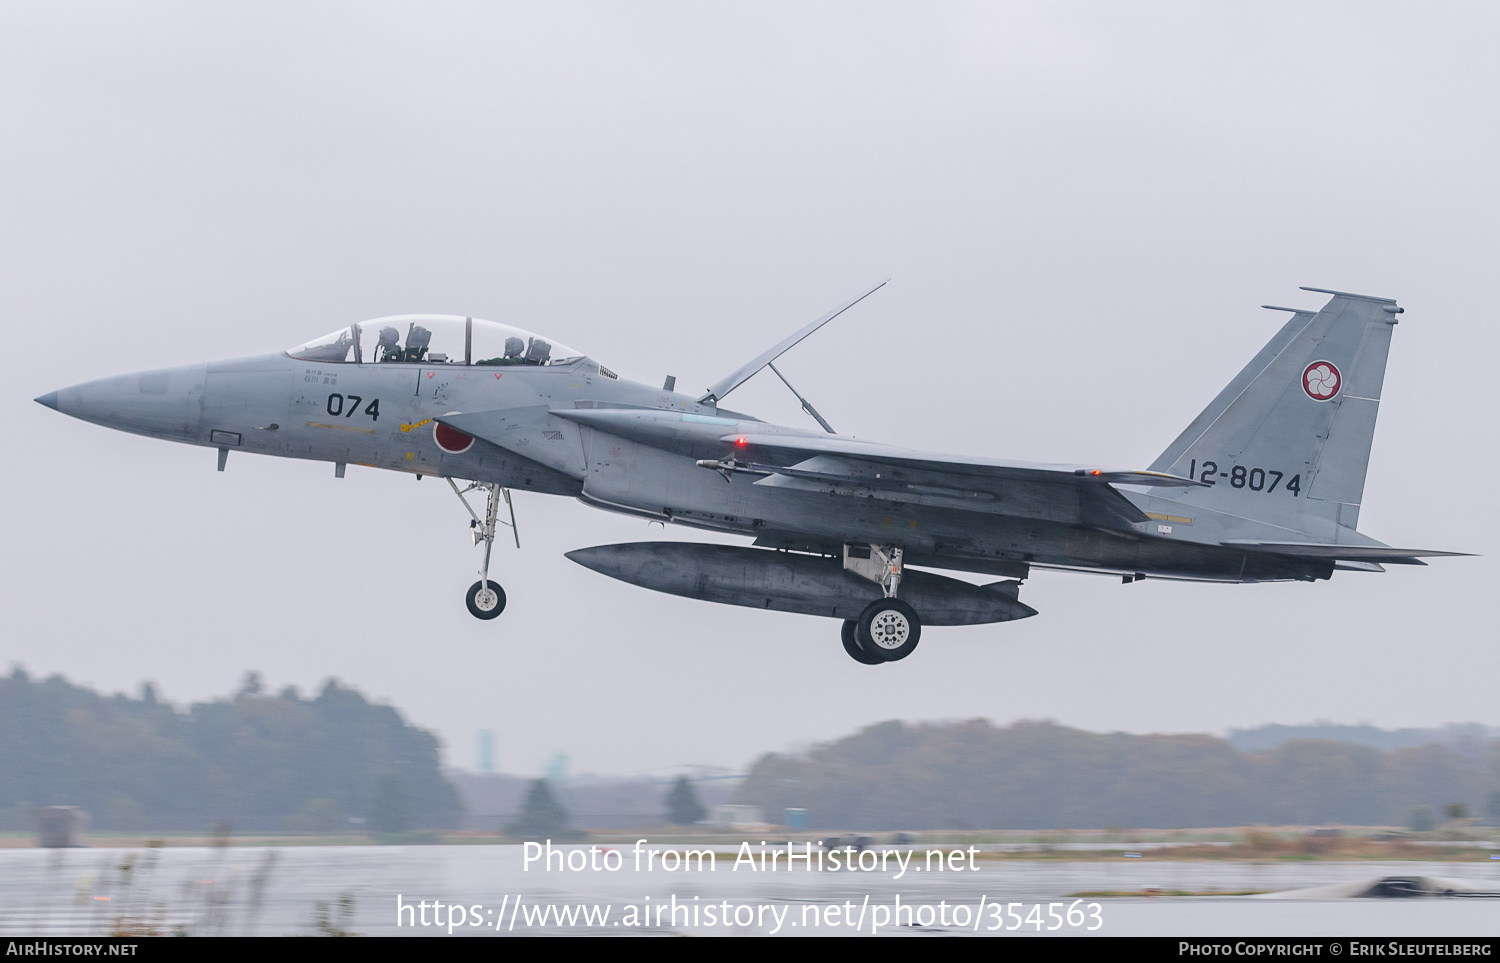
[434, 339]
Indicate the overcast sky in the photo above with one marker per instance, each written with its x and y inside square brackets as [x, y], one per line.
[1081, 207]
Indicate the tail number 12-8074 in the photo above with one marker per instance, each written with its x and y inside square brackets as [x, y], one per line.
[1255, 479]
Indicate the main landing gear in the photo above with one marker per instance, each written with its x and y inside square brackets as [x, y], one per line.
[888, 630]
[486, 599]
[852, 646]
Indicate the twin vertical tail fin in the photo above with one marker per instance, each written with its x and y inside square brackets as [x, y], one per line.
[1287, 442]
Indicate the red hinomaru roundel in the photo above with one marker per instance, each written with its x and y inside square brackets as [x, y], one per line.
[1321, 380]
[451, 440]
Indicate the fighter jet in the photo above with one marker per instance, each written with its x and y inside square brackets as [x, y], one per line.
[1264, 485]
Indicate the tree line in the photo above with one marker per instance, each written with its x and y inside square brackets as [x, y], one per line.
[253, 762]
[261, 762]
[1039, 775]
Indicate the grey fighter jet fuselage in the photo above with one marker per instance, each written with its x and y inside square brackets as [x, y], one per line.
[1264, 485]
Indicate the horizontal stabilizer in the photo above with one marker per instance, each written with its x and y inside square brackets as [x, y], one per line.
[1351, 553]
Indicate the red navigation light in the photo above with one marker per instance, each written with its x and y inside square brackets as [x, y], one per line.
[1096, 472]
[740, 441]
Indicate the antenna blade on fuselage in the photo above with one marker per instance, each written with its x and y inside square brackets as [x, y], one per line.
[724, 386]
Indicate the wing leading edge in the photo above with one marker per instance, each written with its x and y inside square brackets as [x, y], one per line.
[811, 445]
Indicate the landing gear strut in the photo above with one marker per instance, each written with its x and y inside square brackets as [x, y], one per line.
[486, 599]
[888, 629]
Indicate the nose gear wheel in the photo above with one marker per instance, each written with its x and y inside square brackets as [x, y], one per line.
[486, 599]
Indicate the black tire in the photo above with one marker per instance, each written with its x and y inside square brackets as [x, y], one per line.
[852, 646]
[889, 629]
[473, 601]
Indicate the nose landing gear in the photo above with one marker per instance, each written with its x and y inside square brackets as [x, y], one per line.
[486, 599]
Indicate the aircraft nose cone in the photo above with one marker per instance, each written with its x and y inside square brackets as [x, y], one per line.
[165, 403]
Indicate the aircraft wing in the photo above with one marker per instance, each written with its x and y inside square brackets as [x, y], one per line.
[954, 464]
[702, 434]
[813, 461]
[1066, 493]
